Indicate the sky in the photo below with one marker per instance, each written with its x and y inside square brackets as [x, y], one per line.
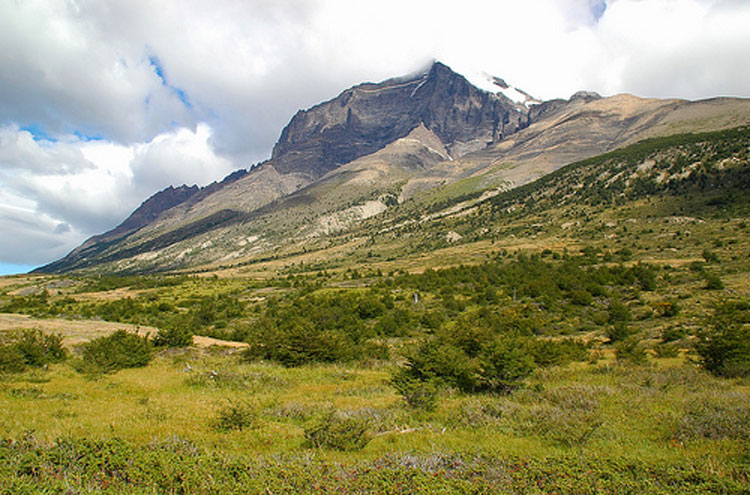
[105, 102]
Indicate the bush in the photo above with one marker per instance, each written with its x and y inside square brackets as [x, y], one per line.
[618, 332]
[710, 256]
[667, 308]
[437, 360]
[673, 333]
[724, 348]
[618, 312]
[504, 364]
[32, 348]
[176, 333]
[713, 282]
[11, 359]
[115, 352]
[337, 431]
[235, 416]
[557, 352]
[417, 394]
[630, 351]
[39, 348]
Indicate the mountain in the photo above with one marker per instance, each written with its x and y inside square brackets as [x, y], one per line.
[429, 140]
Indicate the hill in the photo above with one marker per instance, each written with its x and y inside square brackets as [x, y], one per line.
[428, 138]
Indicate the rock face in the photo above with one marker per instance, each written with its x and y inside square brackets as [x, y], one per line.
[375, 145]
[152, 208]
[365, 118]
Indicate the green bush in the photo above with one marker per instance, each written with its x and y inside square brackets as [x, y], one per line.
[416, 393]
[11, 359]
[618, 312]
[557, 352]
[710, 256]
[32, 348]
[724, 348]
[631, 351]
[235, 416]
[504, 364]
[713, 282]
[338, 431]
[673, 333]
[115, 352]
[437, 360]
[176, 333]
[39, 348]
[618, 332]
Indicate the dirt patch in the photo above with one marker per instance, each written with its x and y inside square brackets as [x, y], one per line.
[74, 332]
[200, 341]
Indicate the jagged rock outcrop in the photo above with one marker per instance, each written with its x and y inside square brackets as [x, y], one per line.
[365, 118]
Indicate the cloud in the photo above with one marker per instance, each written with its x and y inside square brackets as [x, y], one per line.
[176, 158]
[53, 195]
[62, 71]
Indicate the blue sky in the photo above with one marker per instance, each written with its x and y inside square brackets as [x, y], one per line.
[104, 103]
[11, 269]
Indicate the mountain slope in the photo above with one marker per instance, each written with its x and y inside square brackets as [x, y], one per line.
[430, 140]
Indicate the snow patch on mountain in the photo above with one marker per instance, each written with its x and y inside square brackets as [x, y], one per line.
[498, 86]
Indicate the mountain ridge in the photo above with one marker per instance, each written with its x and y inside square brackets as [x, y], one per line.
[379, 144]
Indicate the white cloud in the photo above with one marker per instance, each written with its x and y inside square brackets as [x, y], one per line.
[184, 156]
[53, 195]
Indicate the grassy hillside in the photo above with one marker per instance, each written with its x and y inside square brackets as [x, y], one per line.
[587, 333]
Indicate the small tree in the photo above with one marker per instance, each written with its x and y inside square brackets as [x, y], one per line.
[339, 431]
[504, 363]
[235, 416]
[32, 348]
[115, 352]
[416, 393]
[724, 348]
[176, 333]
[39, 348]
[713, 282]
[11, 359]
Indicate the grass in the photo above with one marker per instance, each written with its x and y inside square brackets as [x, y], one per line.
[637, 425]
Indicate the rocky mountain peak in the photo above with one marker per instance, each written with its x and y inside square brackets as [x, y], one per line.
[365, 118]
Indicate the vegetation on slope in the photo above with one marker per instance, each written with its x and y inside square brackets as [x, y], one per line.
[555, 346]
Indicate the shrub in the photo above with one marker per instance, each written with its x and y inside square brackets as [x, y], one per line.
[504, 364]
[115, 352]
[176, 333]
[417, 394]
[667, 308]
[11, 359]
[557, 352]
[673, 333]
[710, 256]
[667, 350]
[618, 312]
[235, 416]
[39, 348]
[713, 282]
[338, 431]
[724, 348]
[32, 348]
[435, 359]
[618, 332]
[630, 351]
